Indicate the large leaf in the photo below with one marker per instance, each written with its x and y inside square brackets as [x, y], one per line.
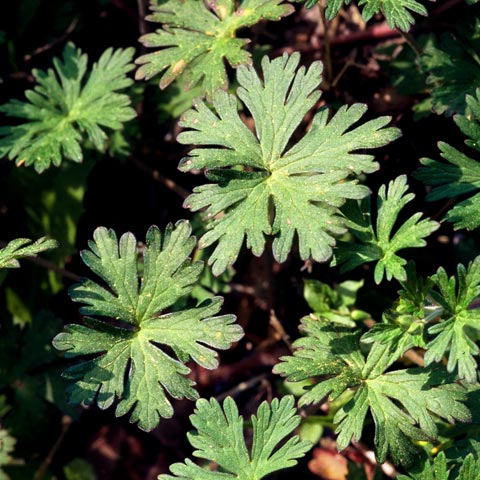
[197, 37]
[64, 108]
[128, 361]
[219, 438]
[262, 184]
[403, 403]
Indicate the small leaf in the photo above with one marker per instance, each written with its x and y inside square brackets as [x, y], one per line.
[461, 174]
[21, 248]
[380, 244]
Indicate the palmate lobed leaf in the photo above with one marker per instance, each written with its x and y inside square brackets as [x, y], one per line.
[397, 12]
[219, 438]
[380, 244]
[403, 403]
[457, 330]
[306, 182]
[23, 247]
[461, 174]
[452, 64]
[128, 360]
[66, 106]
[197, 37]
[439, 470]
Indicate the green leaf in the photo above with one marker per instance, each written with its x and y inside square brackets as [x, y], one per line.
[21, 248]
[461, 175]
[403, 403]
[219, 438]
[453, 68]
[397, 12]
[197, 37]
[7, 446]
[256, 176]
[457, 331]
[380, 244]
[438, 470]
[30, 377]
[128, 360]
[335, 305]
[66, 106]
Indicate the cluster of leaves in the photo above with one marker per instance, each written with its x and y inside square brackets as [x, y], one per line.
[140, 328]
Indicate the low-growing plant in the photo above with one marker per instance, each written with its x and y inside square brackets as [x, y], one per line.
[387, 383]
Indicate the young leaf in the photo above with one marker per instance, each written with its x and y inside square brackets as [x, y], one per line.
[458, 328]
[379, 244]
[403, 403]
[219, 438]
[305, 182]
[438, 470]
[21, 248]
[197, 37]
[453, 68]
[461, 175]
[64, 108]
[397, 12]
[128, 361]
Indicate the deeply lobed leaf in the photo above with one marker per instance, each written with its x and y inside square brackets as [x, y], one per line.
[380, 244]
[197, 38]
[461, 174]
[263, 186]
[452, 64]
[66, 106]
[457, 331]
[397, 12]
[403, 403]
[219, 438]
[21, 248]
[128, 360]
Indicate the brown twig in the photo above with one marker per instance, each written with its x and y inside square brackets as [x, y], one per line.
[158, 177]
[42, 469]
[53, 43]
[142, 27]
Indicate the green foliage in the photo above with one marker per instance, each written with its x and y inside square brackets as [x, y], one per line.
[438, 470]
[403, 403]
[453, 67]
[461, 175]
[21, 248]
[128, 361]
[65, 107]
[335, 305]
[307, 182]
[7, 446]
[379, 244]
[459, 325]
[219, 438]
[397, 12]
[30, 377]
[197, 37]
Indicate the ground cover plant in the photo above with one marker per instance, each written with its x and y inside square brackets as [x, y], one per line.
[240, 240]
